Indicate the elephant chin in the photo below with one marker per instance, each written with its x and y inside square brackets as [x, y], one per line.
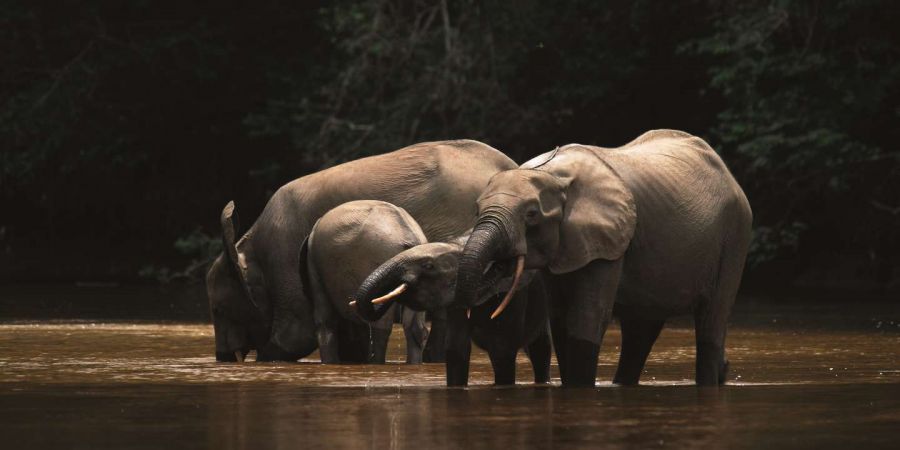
[502, 285]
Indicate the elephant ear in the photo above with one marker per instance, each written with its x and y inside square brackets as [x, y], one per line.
[230, 224]
[309, 276]
[599, 215]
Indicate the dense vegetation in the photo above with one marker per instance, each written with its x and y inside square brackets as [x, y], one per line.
[126, 126]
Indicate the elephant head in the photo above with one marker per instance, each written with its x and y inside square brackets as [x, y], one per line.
[559, 211]
[236, 296]
[421, 278]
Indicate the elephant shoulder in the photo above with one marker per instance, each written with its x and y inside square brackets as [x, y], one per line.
[660, 134]
[473, 154]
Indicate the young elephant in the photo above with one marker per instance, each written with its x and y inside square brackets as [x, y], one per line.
[424, 278]
[346, 245]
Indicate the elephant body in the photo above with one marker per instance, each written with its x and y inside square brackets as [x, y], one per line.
[658, 227]
[524, 325]
[344, 247]
[255, 289]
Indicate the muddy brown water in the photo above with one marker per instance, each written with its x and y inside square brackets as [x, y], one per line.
[91, 384]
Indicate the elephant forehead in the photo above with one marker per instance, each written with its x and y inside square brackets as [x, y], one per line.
[432, 250]
[524, 184]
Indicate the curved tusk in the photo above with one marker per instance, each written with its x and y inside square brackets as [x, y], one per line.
[520, 266]
[390, 295]
[352, 304]
[239, 356]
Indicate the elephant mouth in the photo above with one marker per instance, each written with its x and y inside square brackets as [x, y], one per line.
[498, 278]
[399, 294]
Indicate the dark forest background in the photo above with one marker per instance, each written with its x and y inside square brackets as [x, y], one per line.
[126, 126]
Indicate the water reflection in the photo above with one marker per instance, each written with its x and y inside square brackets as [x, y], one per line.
[83, 385]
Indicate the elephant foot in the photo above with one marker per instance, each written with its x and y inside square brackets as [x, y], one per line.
[710, 364]
[723, 372]
[272, 352]
[231, 356]
[539, 354]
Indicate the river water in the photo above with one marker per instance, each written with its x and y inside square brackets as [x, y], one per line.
[808, 378]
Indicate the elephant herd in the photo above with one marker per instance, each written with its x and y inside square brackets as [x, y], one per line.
[535, 257]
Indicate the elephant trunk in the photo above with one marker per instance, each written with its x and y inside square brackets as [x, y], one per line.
[387, 277]
[485, 244]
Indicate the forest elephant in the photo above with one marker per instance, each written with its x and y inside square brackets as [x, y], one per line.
[255, 290]
[658, 227]
[344, 247]
[424, 277]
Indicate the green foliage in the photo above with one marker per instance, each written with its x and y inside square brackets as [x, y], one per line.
[809, 89]
[124, 128]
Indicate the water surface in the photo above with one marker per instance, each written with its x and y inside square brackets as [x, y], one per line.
[152, 385]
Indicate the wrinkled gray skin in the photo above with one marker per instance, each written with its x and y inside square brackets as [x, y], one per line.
[430, 271]
[659, 227]
[255, 290]
[344, 247]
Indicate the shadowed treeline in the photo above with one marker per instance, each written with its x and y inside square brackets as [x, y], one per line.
[124, 129]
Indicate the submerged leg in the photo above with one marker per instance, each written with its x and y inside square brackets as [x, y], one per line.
[416, 334]
[591, 292]
[435, 346]
[539, 354]
[459, 347]
[504, 365]
[638, 336]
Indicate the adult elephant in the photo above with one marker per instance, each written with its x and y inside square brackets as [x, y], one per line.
[659, 227]
[255, 290]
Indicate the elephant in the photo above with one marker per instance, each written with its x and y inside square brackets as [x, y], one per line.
[344, 247]
[657, 228]
[423, 278]
[255, 291]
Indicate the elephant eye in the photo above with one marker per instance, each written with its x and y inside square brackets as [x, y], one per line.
[428, 266]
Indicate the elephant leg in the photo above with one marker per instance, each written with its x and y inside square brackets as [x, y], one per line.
[558, 329]
[379, 342]
[591, 293]
[380, 336]
[503, 362]
[539, 354]
[293, 333]
[327, 323]
[638, 336]
[458, 347]
[435, 346]
[710, 342]
[354, 342]
[328, 342]
[711, 314]
[416, 334]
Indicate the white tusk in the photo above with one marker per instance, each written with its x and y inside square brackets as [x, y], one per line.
[353, 304]
[390, 295]
[520, 266]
